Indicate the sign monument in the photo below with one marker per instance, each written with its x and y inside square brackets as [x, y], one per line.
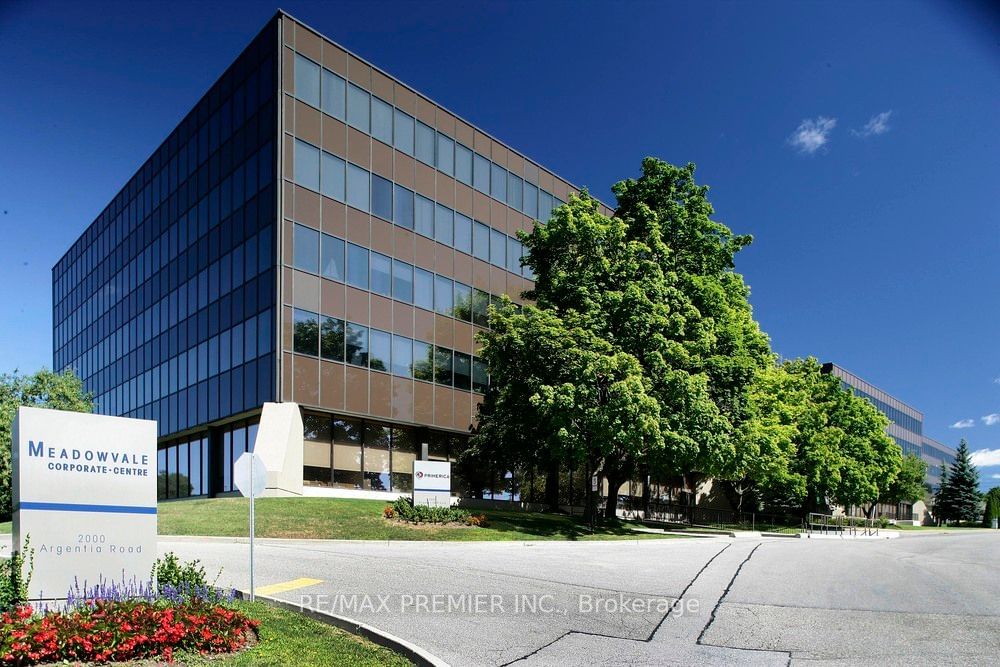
[85, 497]
[432, 483]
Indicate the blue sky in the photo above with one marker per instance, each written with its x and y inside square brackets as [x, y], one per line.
[857, 142]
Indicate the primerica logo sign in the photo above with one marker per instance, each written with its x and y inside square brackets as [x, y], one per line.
[91, 461]
[432, 475]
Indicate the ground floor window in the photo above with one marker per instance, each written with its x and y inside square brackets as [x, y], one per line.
[369, 455]
[182, 469]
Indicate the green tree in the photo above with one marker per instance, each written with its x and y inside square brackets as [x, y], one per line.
[943, 503]
[44, 389]
[908, 486]
[842, 453]
[992, 509]
[963, 480]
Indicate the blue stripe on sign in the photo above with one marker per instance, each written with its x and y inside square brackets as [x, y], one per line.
[433, 490]
[77, 507]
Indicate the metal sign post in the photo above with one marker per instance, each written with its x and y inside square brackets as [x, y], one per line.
[250, 477]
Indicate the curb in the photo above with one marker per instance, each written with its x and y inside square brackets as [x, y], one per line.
[419, 656]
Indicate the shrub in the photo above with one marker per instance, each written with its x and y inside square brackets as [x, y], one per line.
[15, 575]
[172, 577]
[404, 510]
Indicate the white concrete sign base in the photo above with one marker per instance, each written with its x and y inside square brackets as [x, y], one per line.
[85, 495]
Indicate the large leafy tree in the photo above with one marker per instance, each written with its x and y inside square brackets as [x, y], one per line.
[713, 339]
[842, 453]
[963, 487]
[46, 389]
[908, 487]
[992, 509]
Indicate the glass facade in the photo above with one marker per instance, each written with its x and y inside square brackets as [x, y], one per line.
[165, 306]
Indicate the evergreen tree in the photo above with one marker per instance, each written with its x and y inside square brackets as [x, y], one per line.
[943, 506]
[992, 510]
[964, 482]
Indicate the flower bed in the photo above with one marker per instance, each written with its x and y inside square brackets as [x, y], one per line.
[404, 510]
[117, 630]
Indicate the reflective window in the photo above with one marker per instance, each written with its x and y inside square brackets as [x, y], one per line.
[306, 333]
[332, 177]
[498, 248]
[402, 281]
[463, 233]
[332, 339]
[544, 205]
[514, 252]
[381, 197]
[380, 351]
[463, 302]
[481, 174]
[463, 371]
[480, 308]
[445, 154]
[332, 258]
[403, 132]
[423, 288]
[347, 434]
[381, 274]
[358, 101]
[442, 366]
[444, 222]
[498, 182]
[334, 90]
[357, 344]
[480, 376]
[382, 121]
[306, 165]
[463, 164]
[306, 80]
[402, 356]
[403, 209]
[424, 215]
[306, 248]
[481, 241]
[515, 193]
[357, 187]
[376, 459]
[357, 266]
[443, 302]
[530, 200]
[404, 453]
[423, 361]
[425, 144]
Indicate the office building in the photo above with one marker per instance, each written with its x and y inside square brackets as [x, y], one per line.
[906, 427]
[303, 263]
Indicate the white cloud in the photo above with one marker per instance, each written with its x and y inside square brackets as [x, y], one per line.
[876, 125]
[964, 423]
[996, 380]
[985, 458]
[991, 419]
[995, 475]
[812, 134]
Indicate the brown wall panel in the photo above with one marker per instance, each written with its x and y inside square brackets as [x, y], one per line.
[402, 319]
[357, 305]
[333, 217]
[333, 301]
[356, 398]
[423, 325]
[358, 148]
[382, 236]
[444, 331]
[402, 399]
[423, 402]
[307, 123]
[403, 244]
[306, 380]
[334, 136]
[381, 395]
[381, 312]
[358, 227]
[288, 377]
[305, 291]
[331, 385]
[444, 409]
[382, 159]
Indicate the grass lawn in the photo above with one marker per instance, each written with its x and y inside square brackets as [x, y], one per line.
[286, 638]
[339, 518]
[5, 527]
[911, 527]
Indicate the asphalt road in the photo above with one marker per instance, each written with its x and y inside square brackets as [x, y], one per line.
[919, 599]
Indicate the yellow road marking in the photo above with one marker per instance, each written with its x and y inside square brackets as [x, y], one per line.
[286, 586]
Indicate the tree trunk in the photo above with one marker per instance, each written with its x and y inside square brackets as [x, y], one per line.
[611, 507]
[552, 486]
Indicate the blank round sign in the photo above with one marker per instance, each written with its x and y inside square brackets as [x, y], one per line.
[241, 474]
